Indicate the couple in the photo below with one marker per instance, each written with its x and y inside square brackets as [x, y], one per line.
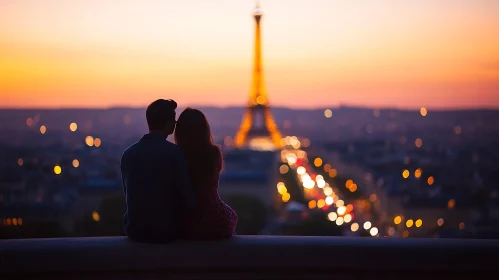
[172, 189]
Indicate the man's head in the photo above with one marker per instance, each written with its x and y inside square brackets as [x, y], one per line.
[160, 116]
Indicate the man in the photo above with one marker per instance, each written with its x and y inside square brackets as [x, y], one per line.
[155, 180]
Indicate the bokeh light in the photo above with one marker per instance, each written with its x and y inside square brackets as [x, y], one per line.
[73, 127]
[43, 129]
[57, 170]
[89, 140]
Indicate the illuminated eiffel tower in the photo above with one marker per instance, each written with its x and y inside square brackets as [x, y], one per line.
[258, 129]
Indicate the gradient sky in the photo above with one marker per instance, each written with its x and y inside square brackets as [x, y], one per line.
[100, 53]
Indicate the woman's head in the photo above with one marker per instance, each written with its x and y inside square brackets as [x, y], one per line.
[193, 135]
[193, 130]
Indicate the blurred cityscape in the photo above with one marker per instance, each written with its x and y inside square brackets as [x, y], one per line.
[341, 171]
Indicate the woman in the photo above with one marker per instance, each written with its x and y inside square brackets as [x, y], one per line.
[213, 218]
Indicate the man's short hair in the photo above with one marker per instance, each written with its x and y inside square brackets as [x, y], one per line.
[159, 113]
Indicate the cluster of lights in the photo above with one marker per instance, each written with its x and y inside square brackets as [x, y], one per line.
[343, 213]
[12, 222]
[283, 191]
[91, 141]
[58, 168]
[417, 173]
[409, 223]
[294, 142]
[350, 185]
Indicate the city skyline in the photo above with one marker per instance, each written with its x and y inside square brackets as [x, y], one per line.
[360, 53]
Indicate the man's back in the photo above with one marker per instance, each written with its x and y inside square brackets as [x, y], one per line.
[157, 190]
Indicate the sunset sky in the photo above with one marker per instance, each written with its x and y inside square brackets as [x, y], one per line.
[317, 53]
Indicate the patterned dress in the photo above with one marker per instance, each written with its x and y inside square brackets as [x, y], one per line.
[213, 219]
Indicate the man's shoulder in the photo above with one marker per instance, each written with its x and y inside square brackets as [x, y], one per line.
[130, 150]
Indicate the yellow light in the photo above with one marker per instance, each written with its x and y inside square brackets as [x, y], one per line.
[354, 227]
[89, 140]
[318, 162]
[73, 127]
[451, 203]
[423, 111]
[418, 173]
[8, 221]
[367, 225]
[339, 221]
[57, 169]
[461, 225]
[457, 130]
[397, 220]
[327, 167]
[409, 223]
[301, 170]
[373, 231]
[283, 169]
[340, 203]
[431, 180]
[329, 200]
[312, 204]
[95, 216]
[19, 221]
[43, 129]
[353, 187]
[332, 216]
[14, 221]
[20, 162]
[286, 197]
[76, 163]
[405, 174]
[418, 142]
[328, 113]
[321, 203]
[347, 218]
[373, 197]
[328, 190]
[282, 189]
[419, 223]
[332, 173]
[440, 222]
[97, 142]
[261, 100]
[341, 210]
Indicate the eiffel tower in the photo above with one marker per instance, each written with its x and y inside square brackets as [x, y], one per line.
[258, 129]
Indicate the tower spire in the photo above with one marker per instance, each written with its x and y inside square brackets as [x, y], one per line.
[258, 125]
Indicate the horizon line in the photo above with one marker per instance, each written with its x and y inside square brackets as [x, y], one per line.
[311, 108]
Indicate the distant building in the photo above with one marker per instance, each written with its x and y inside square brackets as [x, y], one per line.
[251, 173]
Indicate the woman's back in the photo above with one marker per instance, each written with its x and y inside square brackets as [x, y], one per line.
[213, 219]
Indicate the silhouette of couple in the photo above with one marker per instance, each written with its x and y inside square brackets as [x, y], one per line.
[172, 189]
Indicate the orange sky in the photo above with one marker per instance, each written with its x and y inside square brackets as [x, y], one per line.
[317, 53]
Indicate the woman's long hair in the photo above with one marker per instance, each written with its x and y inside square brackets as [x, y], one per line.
[193, 136]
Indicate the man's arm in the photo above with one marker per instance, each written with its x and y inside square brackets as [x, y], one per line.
[182, 183]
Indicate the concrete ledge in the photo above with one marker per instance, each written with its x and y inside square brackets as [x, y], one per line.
[264, 257]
